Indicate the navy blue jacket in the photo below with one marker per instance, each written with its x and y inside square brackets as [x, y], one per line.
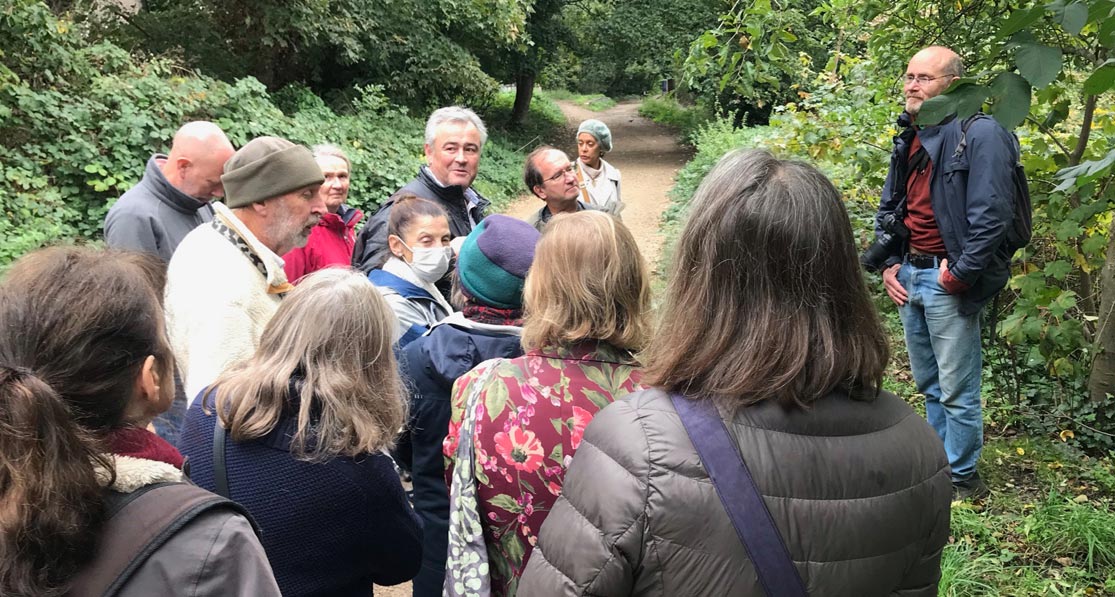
[328, 528]
[431, 364]
[972, 199]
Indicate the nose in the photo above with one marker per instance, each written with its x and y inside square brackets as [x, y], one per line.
[219, 191]
[317, 204]
[459, 156]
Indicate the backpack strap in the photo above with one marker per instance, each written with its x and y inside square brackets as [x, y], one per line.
[740, 497]
[220, 470]
[138, 524]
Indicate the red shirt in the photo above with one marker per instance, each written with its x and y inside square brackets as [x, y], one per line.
[924, 235]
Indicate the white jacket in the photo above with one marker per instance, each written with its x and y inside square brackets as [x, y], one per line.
[603, 191]
[217, 302]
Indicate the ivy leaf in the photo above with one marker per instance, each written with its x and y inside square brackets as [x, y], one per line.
[1012, 95]
[1039, 63]
[495, 399]
[1102, 79]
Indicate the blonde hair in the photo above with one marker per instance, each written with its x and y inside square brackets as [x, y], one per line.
[335, 332]
[588, 282]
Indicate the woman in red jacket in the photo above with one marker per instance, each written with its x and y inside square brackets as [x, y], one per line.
[332, 239]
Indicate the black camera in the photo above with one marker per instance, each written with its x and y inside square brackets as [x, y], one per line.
[888, 243]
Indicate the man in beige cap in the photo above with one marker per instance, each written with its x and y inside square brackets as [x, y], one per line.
[226, 278]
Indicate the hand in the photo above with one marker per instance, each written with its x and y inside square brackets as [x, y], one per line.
[894, 289]
[942, 278]
[949, 282]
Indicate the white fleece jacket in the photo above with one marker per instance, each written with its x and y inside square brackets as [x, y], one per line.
[217, 302]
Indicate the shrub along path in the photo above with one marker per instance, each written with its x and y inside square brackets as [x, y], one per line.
[648, 156]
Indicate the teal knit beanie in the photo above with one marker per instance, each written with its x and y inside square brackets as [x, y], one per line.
[494, 260]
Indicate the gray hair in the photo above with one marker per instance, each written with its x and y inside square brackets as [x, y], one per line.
[330, 150]
[454, 114]
[334, 331]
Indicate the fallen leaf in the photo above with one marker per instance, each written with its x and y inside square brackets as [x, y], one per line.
[1080, 499]
[1066, 562]
[1055, 465]
[1066, 435]
[1020, 451]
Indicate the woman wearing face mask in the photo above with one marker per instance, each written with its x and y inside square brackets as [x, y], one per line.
[418, 238]
[599, 180]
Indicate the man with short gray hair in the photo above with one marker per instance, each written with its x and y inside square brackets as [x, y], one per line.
[455, 137]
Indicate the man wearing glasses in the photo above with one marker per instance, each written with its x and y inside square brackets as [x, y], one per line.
[552, 178]
[951, 204]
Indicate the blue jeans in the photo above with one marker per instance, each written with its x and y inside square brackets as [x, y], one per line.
[945, 357]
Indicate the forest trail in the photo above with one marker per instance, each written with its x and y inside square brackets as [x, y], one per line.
[648, 156]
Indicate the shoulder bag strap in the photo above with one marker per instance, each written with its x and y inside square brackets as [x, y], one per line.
[220, 473]
[148, 518]
[740, 497]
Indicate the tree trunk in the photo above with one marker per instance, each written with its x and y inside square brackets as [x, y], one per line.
[524, 91]
[1102, 380]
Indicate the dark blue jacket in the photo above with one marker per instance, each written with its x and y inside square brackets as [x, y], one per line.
[972, 199]
[431, 364]
[328, 528]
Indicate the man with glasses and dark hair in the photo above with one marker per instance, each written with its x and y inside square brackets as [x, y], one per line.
[948, 197]
[552, 178]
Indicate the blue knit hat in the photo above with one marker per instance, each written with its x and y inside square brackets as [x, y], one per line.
[599, 130]
[494, 260]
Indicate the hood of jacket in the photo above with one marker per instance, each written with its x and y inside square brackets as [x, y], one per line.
[452, 349]
[345, 219]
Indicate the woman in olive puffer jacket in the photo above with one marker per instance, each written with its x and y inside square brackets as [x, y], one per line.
[766, 314]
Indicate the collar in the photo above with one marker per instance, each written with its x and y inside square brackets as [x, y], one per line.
[168, 193]
[401, 269]
[139, 458]
[266, 261]
[346, 217]
[545, 214]
[589, 351]
[457, 319]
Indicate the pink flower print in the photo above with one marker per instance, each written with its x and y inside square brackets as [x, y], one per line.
[581, 418]
[554, 488]
[522, 519]
[520, 448]
[528, 509]
[533, 540]
[449, 444]
[525, 530]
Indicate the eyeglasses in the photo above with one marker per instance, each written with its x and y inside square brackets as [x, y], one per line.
[923, 79]
[561, 173]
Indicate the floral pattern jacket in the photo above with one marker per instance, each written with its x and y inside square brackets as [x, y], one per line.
[530, 419]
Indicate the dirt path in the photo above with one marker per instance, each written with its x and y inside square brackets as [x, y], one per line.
[647, 155]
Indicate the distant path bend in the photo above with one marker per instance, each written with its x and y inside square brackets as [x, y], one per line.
[648, 156]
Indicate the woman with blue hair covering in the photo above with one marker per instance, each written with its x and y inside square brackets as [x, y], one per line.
[599, 180]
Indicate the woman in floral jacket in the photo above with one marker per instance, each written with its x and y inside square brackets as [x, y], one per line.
[587, 299]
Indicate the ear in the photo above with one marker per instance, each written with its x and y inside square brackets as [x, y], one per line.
[395, 245]
[538, 192]
[183, 164]
[148, 383]
[427, 150]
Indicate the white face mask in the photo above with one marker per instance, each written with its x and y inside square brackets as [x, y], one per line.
[429, 264]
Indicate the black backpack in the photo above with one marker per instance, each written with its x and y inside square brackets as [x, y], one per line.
[1021, 228]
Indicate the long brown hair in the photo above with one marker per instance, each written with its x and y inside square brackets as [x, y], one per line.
[76, 326]
[334, 331]
[588, 282]
[765, 299]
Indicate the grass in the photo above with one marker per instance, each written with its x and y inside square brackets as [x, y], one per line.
[665, 109]
[596, 102]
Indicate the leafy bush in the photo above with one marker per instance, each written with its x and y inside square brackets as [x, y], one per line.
[667, 110]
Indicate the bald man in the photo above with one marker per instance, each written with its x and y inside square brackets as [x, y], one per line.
[952, 204]
[173, 197]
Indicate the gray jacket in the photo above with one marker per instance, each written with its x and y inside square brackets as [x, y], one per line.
[215, 554]
[154, 216]
[860, 492]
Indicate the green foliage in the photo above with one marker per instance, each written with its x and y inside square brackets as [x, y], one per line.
[423, 53]
[78, 124]
[665, 109]
[596, 102]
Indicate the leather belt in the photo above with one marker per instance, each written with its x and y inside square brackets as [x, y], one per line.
[923, 261]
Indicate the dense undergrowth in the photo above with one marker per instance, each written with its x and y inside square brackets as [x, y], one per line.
[1049, 527]
[78, 122]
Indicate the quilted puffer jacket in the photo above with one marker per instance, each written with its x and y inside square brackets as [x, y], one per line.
[860, 493]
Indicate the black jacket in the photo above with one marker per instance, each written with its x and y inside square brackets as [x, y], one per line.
[430, 365]
[371, 243]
